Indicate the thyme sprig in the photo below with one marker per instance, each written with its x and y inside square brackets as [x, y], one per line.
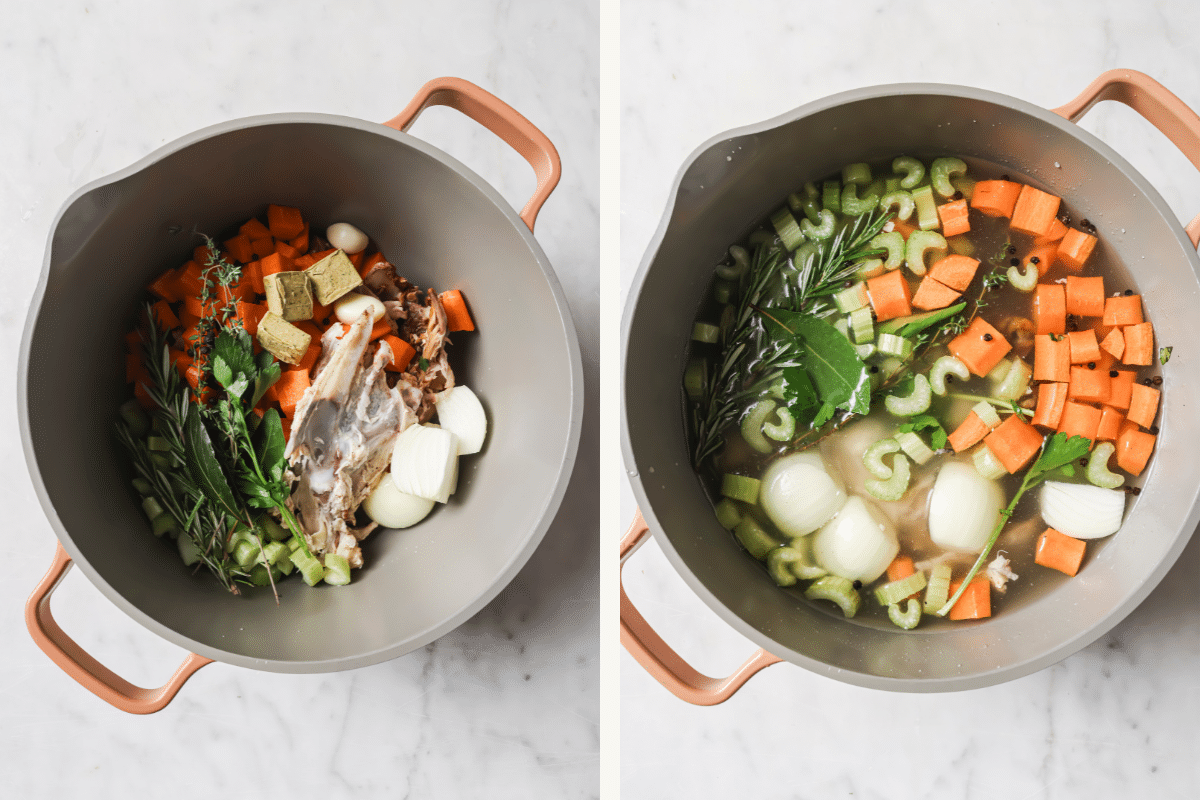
[218, 276]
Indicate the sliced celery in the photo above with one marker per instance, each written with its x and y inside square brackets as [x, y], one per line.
[965, 185]
[873, 458]
[892, 345]
[908, 618]
[311, 570]
[141, 487]
[1097, 467]
[869, 268]
[899, 589]
[822, 230]
[740, 487]
[893, 242]
[811, 192]
[914, 447]
[789, 232]
[938, 590]
[728, 514]
[741, 263]
[273, 529]
[164, 523]
[927, 216]
[274, 552]
[917, 249]
[902, 200]
[838, 590]
[706, 333]
[862, 326]
[779, 565]
[806, 568]
[897, 483]
[723, 291]
[245, 553]
[852, 299]
[961, 245]
[916, 403]
[914, 171]
[831, 196]
[755, 538]
[784, 429]
[986, 463]
[858, 173]
[752, 426]
[891, 184]
[987, 412]
[337, 570]
[1023, 282]
[695, 378]
[1015, 381]
[810, 207]
[152, 508]
[853, 205]
[188, 550]
[135, 417]
[942, 170]
[946, 365]
[260, 576]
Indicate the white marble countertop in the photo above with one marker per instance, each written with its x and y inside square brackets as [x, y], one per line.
[1116, 720]
[506, 706]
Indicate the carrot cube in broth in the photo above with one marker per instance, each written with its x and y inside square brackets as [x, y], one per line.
[981, 347]
[969, 433]
[1090, 385]
[1058, 551]
[1139, 344]
[1052, 397]
[1114, 343]
[253, 229]
[262, 247]
[1075, 248]
[1084, 347]
[1034, 211]
[954, 218]
[890, 295]
[1049, 308]
[1110, 424]
[956, 271]
[1043, 257]
[1051, 358]
[1085, 296]
[976, 601]
[932, 294]
[1057, 231]
[1014, 442]
[1121, 388]
[1143, 404]
[284, 222]
[1134, 448]
[995, 198]
[1123, 310]
[1079, 419]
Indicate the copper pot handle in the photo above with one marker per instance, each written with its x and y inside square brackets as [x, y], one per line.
[664, 664]
[87, 671]
[501, 119]
[1157, 106]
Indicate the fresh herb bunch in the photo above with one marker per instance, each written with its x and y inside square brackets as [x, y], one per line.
[217, 279]
[772, 335]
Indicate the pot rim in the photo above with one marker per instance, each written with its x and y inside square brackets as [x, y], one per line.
[958, 683]
[553, 500]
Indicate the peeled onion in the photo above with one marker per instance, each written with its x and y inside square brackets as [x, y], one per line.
[1081, 510]
[460, 411]
[425, 462]
[964, 508]
[858, 543]
[799, 494]
[346, 237]
[393, 508]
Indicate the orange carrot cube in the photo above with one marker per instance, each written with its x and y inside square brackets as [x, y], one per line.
[1058, 551]
[1050, 308]
[1090, 385]
[1052, 397]
[1110, 424]
[954, 218]
[956, 271]
[1034, 211]
[1114, 343]
[1133, 449]
[1139, 344]
[890, 295]
[981, 347]
[1120, 390]
[1084, 347]
[1075, 248]
[1051, 358]
[976, 601]
[1123, 310]
[1014, 442]
[1085, 296]
[995, 198]
[1079, 420]
[1143, 404]
[933, 295]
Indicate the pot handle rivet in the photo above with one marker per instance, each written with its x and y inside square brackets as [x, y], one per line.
[664, 664]
[1156, 104]
[86, 670]
[501, 119]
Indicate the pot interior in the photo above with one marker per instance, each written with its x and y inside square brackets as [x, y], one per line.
[442, 228]
[734, 181]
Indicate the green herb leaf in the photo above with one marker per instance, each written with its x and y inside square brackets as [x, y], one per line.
[201, 460]
[927, 422]
[824, 415]
[270, 444]
[920, 322]
[423, 362]
[800, 396]
[841, 378]
[221, 370]
[1057, 452]
[1164, 355]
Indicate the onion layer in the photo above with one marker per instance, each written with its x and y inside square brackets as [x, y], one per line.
[799, 494]
[858, 543]
[964, 508]
[1082, 511]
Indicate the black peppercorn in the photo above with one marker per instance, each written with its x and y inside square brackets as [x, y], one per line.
[1129, 292]
[1154, 430]
[987, 337]
[858, 584]
[874, 368]
[1035, 260]
[1157, 380]
[1147, 382]
[1137, 490]
[1091, 365]
[1112, 373]
[1011, 249]
[1004, 178]
[949, 379]
[1072, 325]
[1016, 262]
[1083, 462]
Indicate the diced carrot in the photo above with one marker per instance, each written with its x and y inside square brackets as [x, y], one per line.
[1110, 424]
[251, 314]
[239, 248]
[969, 433]
[402, 353]
[1105, 361]
[284, 222]
[269, 265]
[181, 360]
[1058, 551]
[889, 294]
[901, 567]
[981, 347]
[262, 247]
[1043, 257]
[369, 265]
[1143, 404]
[165, 286]
[165, 316]
[189, 280]
[1034, 211]
[1084, 347]
[1133, 449]
[324, 253]
[135, 370]
[356, 259]
[1139, 344]
[995, 198]
[1121, 388]
[301, 241]
[976, 601]
[1057, 231]
[193, 306]
[1079, 419]
[1051, 358]
[1114, 343]
[253, 229]
[1052, 396]
[932, 294]
[253, 275]
[382, 328]
[1049, 308]
[305, 261]
[290, 387]
[321, 313]
[1075, 248]
[311, 329]
[201, 254]
[133, 341]
[1014, 442]
[1090, 385]
[311, 355]
[954, 218]
[287, 251]
[1085, 296]
[903, 228]
[955, 271]
[1124, 309]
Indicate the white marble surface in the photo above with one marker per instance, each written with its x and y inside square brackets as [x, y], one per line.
[506, 706]
[1118, 719]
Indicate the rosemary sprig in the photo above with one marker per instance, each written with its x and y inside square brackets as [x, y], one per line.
[837, 260]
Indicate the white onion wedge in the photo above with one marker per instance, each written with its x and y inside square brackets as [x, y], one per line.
[964, 508]
[858, 543]
[392, 508]
[1081, 510]
[460, 411]
[424, 462]
[799, 494]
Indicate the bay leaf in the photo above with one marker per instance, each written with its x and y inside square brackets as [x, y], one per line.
[841, 378]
